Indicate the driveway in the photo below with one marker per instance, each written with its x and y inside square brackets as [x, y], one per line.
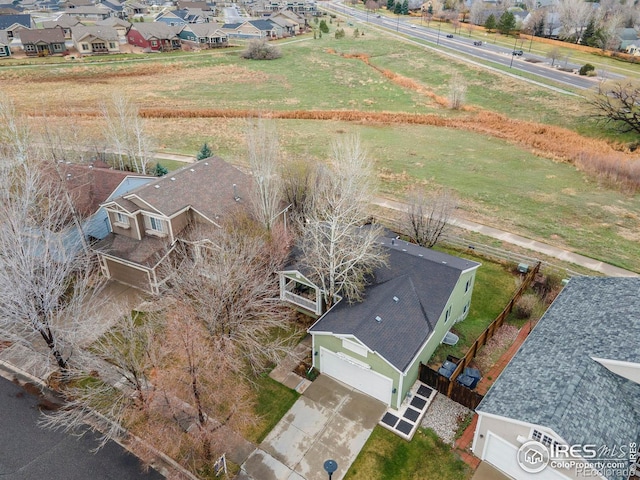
[329, 421]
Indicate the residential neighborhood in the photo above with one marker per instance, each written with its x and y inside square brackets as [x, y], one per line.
[299, 240]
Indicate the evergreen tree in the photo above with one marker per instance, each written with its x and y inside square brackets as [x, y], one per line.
[397, 9]
[205, 152]
[160, 170]
[507, 23]
[356, 33]
[490, 23]
[538, 28]
[405, 7]
[589, 36]
[390, 4]
[430, 9]
[324, 28]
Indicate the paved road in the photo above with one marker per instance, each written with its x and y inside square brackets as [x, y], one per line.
[28, 452]
[485, 53]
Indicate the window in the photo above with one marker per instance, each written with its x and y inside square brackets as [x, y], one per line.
[99, 46]
[121, 220]
[156, 224]
[85, 46]
[57, 47]
[447, 314]
[466, 287]
[154, 43]
[112, 45]
[30, 48]
[544, 439]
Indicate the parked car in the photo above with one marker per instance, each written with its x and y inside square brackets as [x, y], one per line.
[450, 36]
[477, 43]
[517, 52]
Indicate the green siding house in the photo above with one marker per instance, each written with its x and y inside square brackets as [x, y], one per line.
[5, 50]
[376, 345]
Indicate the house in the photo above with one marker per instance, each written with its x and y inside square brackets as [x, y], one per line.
[43, 42]
[135, 9]
[95, 40]
[12, 24]
[253, 29]
[91, 185]
[146, 222]
[121, 26]
[205, 35]
[5, 49]
[156, 36]
[115, 8]
[574, 382]
[179, 17]
[626, 37]
[92, 12]
[290, 22]
[376, 345]
[65, 21]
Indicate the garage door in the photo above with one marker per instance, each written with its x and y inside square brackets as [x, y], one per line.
[504, 456]
[359, 377]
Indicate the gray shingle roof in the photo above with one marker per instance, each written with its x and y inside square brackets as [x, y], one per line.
[7, 21]
[104, 33]
[553, 380]
[157, 30]
[422, 280]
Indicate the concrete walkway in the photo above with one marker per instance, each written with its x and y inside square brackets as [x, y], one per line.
[329, 421]
[533, 245]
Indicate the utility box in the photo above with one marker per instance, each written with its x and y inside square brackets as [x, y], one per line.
[523, 268]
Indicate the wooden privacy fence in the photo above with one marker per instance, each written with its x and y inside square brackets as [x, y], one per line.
[449, 386]
[456, 392]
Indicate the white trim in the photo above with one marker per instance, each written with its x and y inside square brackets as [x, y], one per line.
[355, 347]
[470, 269]
[350, 359]
[476, 433]
[129, 196]
[529, 425]
[619, 363]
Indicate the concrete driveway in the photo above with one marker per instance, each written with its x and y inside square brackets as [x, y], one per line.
[329, 421]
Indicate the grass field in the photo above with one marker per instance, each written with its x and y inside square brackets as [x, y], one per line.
[500, 183]
[386, 456]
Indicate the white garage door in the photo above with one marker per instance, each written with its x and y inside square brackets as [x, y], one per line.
[504, 456]
[360, 378]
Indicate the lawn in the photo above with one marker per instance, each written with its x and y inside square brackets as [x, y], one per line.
[493, 288]
[273, 400]
[386, 456]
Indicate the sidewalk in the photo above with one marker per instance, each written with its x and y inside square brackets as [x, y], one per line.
[524, 242]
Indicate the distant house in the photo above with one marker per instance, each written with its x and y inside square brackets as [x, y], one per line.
[135, 9]
[290, 22]
[574, 382]
[146, 223]
[253, 29]
[156, 36]
[12, 24]
[204, 35]
[377, 345]
[626, 37]
[179, 17]
[633, 49]
[5, 49]
[43, 42]
[93, 12]
[121, 26]
[65, 21]
[90, 40]
[115, 8]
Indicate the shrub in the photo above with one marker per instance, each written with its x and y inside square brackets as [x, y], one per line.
[160, 170]
[261, 50]
[586, 69]
[324, 28]
[526, 305]
[340, 33]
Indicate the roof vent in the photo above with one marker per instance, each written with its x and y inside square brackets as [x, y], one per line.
[444, 262]
[378, 319]
[393, 241]
[191, 170]
[157, 186]
[173, 179]
[396, 299]
[404, 249]
[206, 163]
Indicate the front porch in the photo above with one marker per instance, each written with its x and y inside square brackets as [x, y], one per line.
[296, 289]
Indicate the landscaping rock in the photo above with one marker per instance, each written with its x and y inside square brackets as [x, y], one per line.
[443, 417]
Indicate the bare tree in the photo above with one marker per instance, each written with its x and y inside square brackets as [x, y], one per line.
[428, 217]
[574, 16]
[618, 103]
[264, 152]
[298, 180]
[337, 248]
[554, 55]
[126, 131]
[457, 91]
[46, 271]
[227, 278]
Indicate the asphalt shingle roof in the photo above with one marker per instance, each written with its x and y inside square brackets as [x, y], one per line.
[553, 380]
[421, 279]
[7, 21]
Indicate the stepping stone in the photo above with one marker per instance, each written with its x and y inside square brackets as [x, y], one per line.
[419, 403]
[404, 427]
[411, 414]
[425, 391]
[389, 419]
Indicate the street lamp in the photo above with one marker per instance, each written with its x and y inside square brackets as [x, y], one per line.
[513, 52]
[330, 466]
[439, 25]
